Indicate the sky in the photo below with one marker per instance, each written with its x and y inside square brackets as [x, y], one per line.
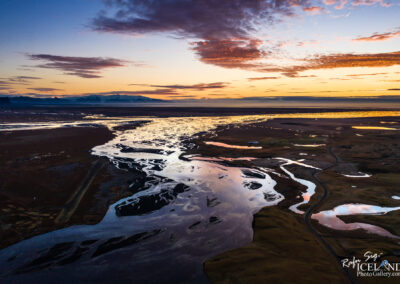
[200, 49]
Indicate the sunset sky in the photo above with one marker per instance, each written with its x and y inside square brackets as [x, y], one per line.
[182, 49]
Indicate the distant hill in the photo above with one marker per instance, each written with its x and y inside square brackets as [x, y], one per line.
[113, 99]
[89, 99]
[4, 101]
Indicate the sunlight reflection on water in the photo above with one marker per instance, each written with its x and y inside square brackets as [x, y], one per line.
[374, 128]
[329, 218]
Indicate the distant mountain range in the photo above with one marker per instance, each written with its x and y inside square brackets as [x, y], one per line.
[90, 99]
[121, 99]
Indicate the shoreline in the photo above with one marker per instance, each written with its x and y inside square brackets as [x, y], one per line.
[70, 113]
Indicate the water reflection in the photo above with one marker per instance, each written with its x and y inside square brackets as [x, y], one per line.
[309, 145]
[329, 218]
[110, 122]
[86, 122]
[187, 211]
[374, 128]
[220, 144]
[359, 175]
[222, 159]
[310, 186]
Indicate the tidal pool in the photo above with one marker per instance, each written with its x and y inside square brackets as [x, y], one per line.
[359, 175]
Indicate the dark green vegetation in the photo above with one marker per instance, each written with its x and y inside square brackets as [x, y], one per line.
[284, 249]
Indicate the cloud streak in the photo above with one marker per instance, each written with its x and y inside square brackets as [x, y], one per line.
[148, 92]
[23, 79]
[339, 61]
[4, 83]
[43, 89]
[196, 87]
[17, 80]
[355, 60]
[314, 10]
[174, 89]
[379, 36]
[362, 75]
[383, 3]
[84, 67]
[262, 78]
[340, 4]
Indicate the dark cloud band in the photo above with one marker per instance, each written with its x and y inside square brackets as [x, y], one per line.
[84, 67]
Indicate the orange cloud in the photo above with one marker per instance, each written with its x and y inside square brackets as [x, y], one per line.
[339, 61]
[195, 87]
[356, 60]
[262, 78]
[340, 4]
[362, 75]
[313, 9]
[379, 37]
